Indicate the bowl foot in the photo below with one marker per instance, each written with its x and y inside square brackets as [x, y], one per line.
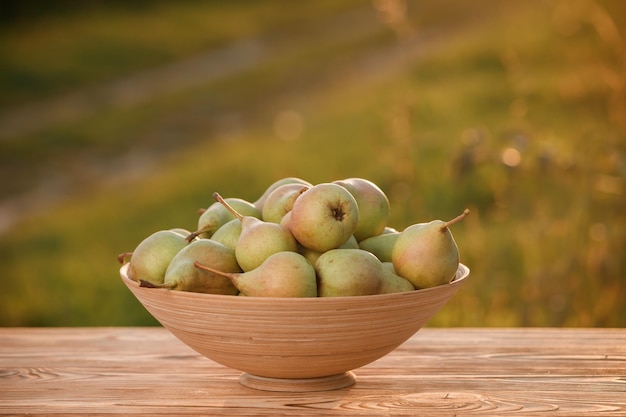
[325, 383]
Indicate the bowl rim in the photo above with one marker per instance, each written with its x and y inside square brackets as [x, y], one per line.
[460, 277]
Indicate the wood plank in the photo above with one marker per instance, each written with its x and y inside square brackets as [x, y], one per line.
[146, 371]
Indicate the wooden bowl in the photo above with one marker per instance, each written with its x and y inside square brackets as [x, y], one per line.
[294, 344]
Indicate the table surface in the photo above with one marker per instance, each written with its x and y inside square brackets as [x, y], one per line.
[458, 371]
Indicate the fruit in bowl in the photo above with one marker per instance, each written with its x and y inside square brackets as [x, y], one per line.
[303, 316]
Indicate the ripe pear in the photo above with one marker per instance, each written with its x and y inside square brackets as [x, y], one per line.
[351, 243]
[283, 274]
[182, 275]
[228, 233]
[258, 239]
[380, 245]
[426, 254]
[260, 202]
[373, 205]
[312, 255]
[309, 254]
[217, 215]
[348, 272]
[280, 201]
[392, 282]
[152, 255]
[323, 217]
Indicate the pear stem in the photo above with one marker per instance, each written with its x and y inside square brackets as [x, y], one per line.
[121, 258]
[191, 236]
[220, 200]
[228, 275]
[456, 219]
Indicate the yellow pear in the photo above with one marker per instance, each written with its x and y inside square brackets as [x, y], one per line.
[426, 254]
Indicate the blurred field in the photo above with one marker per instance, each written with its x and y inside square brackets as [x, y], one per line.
[117, 121]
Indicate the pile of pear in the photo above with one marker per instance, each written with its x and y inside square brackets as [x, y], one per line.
[298, 240]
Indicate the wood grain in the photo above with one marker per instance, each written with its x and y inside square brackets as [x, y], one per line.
[147, 371]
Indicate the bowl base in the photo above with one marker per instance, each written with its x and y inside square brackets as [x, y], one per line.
[326, 383]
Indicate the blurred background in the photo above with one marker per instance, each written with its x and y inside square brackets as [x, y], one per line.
[119, 118]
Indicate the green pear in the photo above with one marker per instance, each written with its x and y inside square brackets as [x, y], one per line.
[373, 205]
[392, 282]
[312, 255]
[348, 272]
[182, 275]
[152, 255]
[283, 274]
[258, 239]
[351, 243]
[426, 254]
[260, 202]
[380, 245]
[217, 215]
[228, 234]
[280, 201]
[323, 217]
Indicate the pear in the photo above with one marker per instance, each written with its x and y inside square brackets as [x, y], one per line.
[260, 202]
[323, 217]
[182, 275]
[217, 215]
[312, 255]
[282, 274]
[426, 254]
[152, 255]
[351, 243]
[373, 205]
[348, 272]
[228, 233]
[381, 245]
[280, 201]
[392, 282]
[258, 239]
[309, 254]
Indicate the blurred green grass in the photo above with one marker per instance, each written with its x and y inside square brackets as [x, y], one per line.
[516, 111]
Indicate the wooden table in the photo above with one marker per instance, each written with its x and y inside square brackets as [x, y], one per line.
[459, 371]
